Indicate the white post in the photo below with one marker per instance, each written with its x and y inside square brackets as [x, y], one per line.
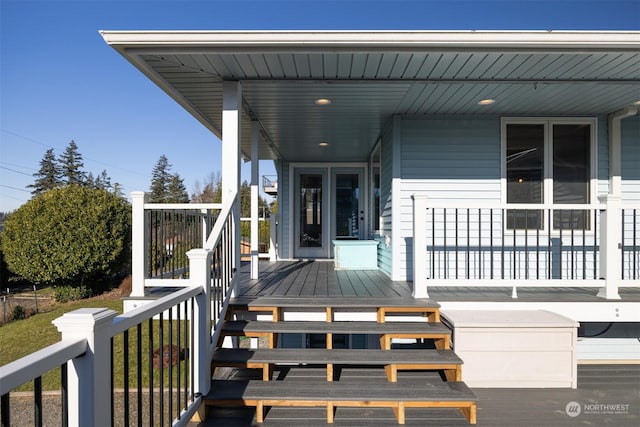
[610, 243]
[138, 248]
[199, 267]
[273, 255]
[255, 171]
[88, 382]
[231, 118]
[420, 246]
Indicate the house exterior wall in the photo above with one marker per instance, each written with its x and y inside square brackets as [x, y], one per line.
[459, 158]
[631, 159]
[386, 178]
[284, 211]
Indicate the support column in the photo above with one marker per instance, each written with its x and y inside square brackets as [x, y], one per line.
[231, 118]
[255, 171]
[89, 379]
[138, 247]
[610, 244]
[420, 246]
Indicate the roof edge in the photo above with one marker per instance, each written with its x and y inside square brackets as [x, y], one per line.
[371, 39]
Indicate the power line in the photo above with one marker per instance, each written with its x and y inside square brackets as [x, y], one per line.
[13, 170]
[15, 188]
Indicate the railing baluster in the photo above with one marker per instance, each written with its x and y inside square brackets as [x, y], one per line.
[6, 410]
[549, 242]
[573, 227]
[634, 246]
[125, 354]
[186, 353]
[433, 243]
[455, 216]
[595, 241]
[112, 383]
[161, 364]
[444, 220]
[64, 396]
[468, 265]
[505, 221]
[538, 247]
[491, 243]
[151, 391]
[526, 243]
[170, 411]
[37, 401]
[139, 370]
[178, 377]
[515, 260]
[480, 274]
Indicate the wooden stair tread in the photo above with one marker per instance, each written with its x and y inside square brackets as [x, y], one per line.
[326, 302]
[335, 356]
[317, 390]
[259, 326]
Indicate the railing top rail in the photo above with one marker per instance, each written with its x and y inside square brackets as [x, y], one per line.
[183, 206]
[147, 311]
[439, 204]
[214, 237]
[36, 364]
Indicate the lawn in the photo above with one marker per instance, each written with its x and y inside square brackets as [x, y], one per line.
[20, 338]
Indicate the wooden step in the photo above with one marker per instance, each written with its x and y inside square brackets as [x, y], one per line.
[392, 360]
[387, 331]
[382, 306]
[330, 395]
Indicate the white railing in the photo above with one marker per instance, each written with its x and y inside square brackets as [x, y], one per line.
[100, 350]
[465, 244]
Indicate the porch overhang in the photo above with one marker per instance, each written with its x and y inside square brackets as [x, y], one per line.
[371, 76]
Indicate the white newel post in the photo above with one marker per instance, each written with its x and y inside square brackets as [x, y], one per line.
[420, 246]
[610, 244]
[138, 199]
[199, 267]
[89, 376]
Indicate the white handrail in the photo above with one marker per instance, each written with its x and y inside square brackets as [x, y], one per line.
[216, 233]
[36, 364]
[183, 206]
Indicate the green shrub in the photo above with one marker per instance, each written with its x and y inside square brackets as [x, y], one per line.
[18, 313]
[71, 235]
[70, 293]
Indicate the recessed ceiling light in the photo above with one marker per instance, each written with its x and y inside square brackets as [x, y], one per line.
[486, 101]
[323, 144]
[323, 101]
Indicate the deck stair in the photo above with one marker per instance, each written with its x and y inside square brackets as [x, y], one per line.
[433, 380]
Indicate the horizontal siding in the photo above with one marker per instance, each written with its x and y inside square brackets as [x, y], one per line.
[450, 158]
[284, 189]
[386, 162]
[631, 159]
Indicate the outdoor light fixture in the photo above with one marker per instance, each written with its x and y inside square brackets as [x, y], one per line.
[322, 101]
[486, 101]
[323, 144]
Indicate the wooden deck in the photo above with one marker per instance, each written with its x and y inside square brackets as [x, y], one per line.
[598, 385]
[320, 279]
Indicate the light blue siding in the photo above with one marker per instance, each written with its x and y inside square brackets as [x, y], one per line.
[446, 158]
[284, 211]
[386, 176]
[631, 159]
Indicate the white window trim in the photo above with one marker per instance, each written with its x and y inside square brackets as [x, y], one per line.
[548, 123]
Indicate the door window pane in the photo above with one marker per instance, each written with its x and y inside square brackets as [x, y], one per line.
[347, 205]
[310, 210]
[525, 177]
[571, 174]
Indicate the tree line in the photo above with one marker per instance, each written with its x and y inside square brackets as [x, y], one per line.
[68, 169]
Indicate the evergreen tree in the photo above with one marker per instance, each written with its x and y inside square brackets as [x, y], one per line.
[160, 179]
[48, 176]
[176, 191]
[71, 166]
[117, 190]
[103, 181]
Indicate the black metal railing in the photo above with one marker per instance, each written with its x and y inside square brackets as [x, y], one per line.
[630, 244]
[513, 243]
[169, 235]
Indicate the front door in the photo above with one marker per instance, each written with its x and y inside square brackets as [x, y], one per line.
[322, 216]
[311, 236]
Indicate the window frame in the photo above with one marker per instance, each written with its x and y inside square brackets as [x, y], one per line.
[547, 173]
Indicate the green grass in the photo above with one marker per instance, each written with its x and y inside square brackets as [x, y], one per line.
[23, 337]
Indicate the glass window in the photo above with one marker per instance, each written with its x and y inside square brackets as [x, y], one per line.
[548, 163]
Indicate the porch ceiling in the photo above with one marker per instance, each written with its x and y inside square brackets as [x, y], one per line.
[371, 76]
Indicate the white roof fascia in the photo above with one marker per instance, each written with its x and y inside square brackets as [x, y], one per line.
[378, 40]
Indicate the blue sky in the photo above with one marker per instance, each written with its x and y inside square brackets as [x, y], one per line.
[59, 81]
